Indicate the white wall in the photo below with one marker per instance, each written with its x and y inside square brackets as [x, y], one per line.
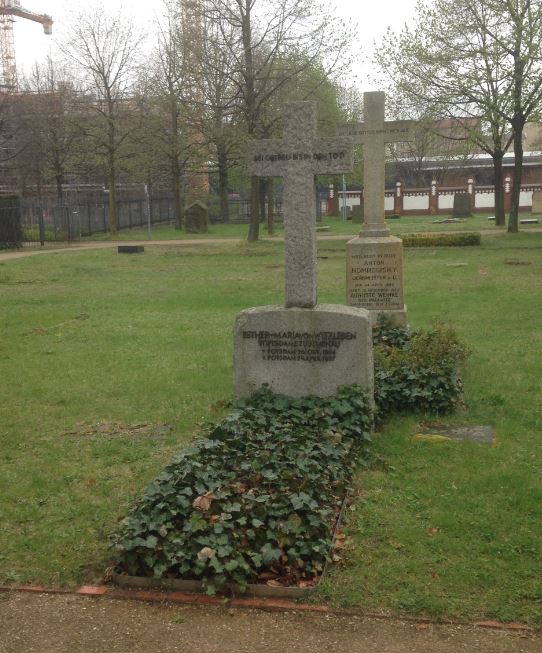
[526, 198]
[415, 202]
[446, 201]
[484, 200]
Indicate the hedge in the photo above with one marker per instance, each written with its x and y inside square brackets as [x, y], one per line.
[451, 239]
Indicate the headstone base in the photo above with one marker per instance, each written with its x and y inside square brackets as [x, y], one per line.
[300, 352]
[374, 277]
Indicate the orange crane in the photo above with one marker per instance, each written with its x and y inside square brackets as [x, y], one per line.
[8, 66]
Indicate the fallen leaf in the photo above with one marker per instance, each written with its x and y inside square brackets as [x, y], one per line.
[422, 626]
[206, 553]
[204, 501]
[273, 583]
[432, 532]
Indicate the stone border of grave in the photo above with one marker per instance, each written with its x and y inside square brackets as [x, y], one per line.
[272, 605]
[253, 589]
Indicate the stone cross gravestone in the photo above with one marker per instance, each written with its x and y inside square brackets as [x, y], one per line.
[374, 272]
[301, 348]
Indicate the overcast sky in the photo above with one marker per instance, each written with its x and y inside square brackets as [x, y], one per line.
[372, 17]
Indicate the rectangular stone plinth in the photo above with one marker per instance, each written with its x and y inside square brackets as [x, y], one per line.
[374, 276]
[300, 352]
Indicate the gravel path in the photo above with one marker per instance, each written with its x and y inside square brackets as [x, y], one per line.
[72, 624]
[74, 247]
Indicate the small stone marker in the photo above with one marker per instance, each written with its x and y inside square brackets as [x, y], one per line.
[130, 249]
[537, 202]
[196, 218]
[461, 206]
[442, 432]
[357, 213]
[374, 260]
[301, 348]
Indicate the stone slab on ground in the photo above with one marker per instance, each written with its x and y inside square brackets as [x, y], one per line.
[130, 249]
[301, 352]
[39, 623]
[482, 434]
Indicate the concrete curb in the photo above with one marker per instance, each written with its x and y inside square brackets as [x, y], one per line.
[266, 604]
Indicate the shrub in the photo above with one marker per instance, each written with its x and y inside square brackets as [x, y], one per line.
[417, 371]
[442, 240]
[259, 495]
[11, 233]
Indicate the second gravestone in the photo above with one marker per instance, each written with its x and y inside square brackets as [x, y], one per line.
[302, 348]
[374, 260]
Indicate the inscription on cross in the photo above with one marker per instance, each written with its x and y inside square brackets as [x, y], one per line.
[374, 133]
[298, 157]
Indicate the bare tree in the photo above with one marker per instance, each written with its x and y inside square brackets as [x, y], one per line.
[104, 48]
[270, 43]
[52, 130]
[475, 58]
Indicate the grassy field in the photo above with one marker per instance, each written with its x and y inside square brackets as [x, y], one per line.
[93, 342]
[406, 224]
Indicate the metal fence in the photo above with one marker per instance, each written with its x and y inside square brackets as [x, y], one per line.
[52, 221]
[49, 221]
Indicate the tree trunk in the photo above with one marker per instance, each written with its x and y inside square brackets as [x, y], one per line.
[112, 202]
[500, 218]
[263, 193]
[222, 158]
[513, 221]
[254, 226]
[270, 206]
[177, 194]
[59, 186]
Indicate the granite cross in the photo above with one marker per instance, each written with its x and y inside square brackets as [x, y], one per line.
[374, 133]
[298, 157]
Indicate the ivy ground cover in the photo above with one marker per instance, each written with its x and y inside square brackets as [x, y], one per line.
[256, 500]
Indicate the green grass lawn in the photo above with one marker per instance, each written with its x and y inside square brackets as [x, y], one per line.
[89, 337]
[337, 227]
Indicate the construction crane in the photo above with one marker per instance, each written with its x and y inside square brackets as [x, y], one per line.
[8, 66]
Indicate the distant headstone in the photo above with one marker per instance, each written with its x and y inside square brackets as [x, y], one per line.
[130, 249]
[196, 218]
[357, 213]
[301, 348]
[374, 260]
[537, 202]
[461, 205]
